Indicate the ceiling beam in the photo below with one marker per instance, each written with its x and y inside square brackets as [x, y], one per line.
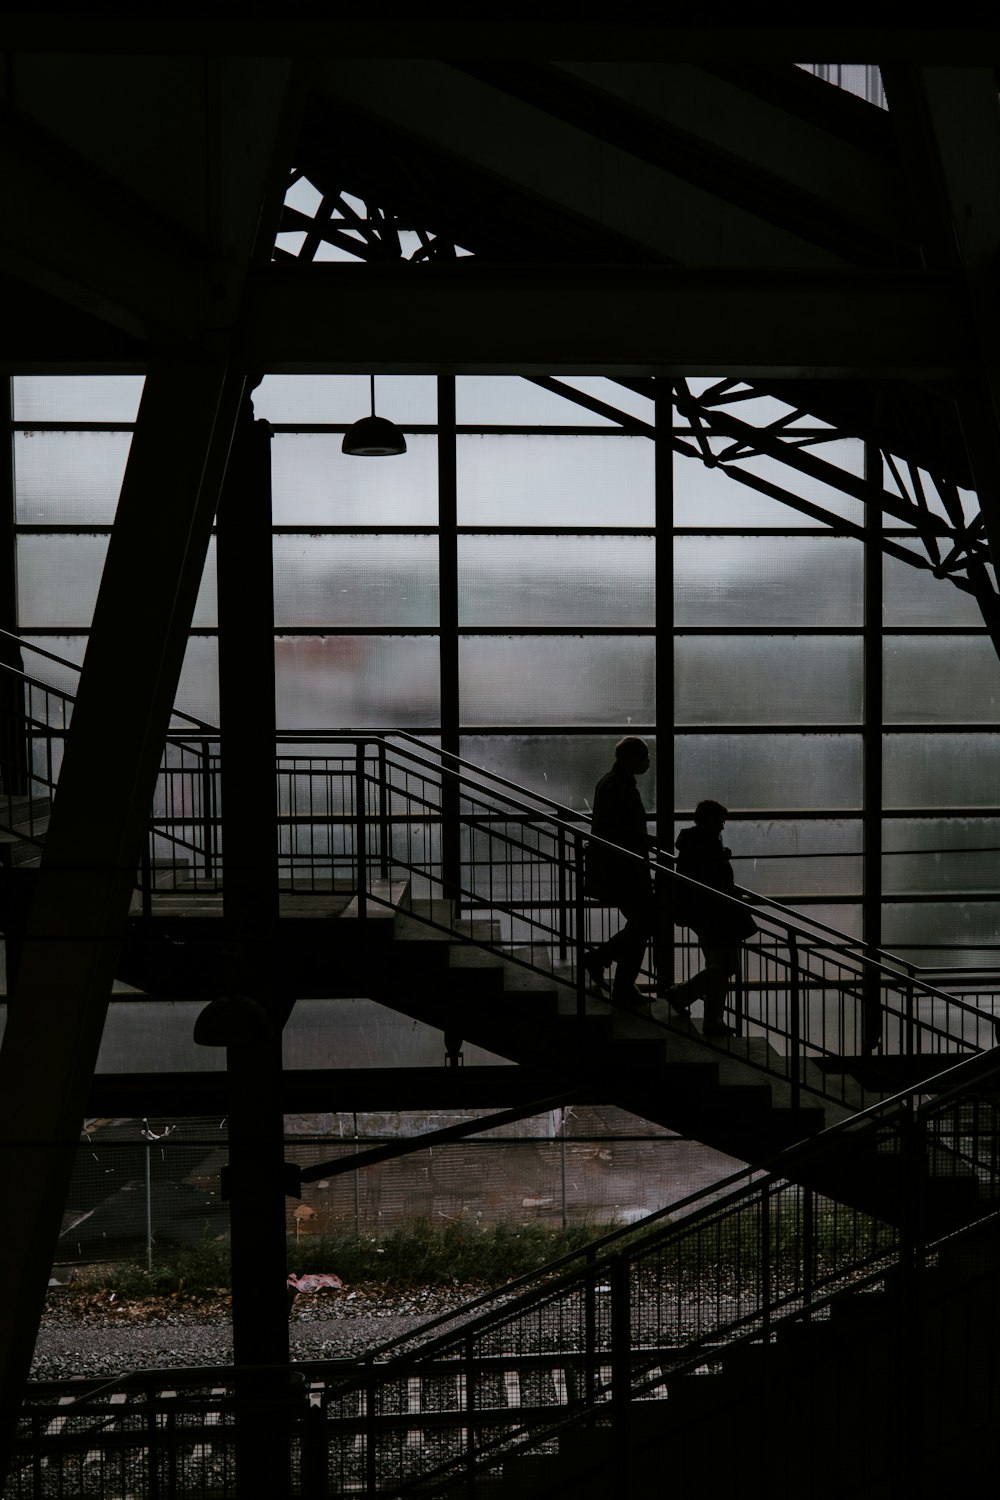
[78, 235]
[475, 318]
[521, 146]
[380, 30]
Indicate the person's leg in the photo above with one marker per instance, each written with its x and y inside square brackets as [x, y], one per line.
[629, 944]
[722, 962]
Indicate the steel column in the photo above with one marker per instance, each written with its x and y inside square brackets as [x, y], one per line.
[94, 844]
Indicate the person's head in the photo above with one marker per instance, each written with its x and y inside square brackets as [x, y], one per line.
[632, 754]
[711, 816]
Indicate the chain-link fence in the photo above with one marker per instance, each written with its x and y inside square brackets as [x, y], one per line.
[142, 1187]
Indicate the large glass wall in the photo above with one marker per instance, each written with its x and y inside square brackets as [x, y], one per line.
[496, 587]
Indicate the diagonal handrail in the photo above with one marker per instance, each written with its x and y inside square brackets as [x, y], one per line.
[622, 1321]
[813, 994]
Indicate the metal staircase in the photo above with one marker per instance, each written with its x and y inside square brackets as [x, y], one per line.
[760, 1335]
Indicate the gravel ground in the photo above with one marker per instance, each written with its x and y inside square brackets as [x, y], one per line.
[96, 1333]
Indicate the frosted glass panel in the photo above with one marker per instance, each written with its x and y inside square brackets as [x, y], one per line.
[710, 497]
[768, 680]
[556, 680]
[355, 580]
[940, 680]
[351, 681]
[928, 855]
[511, 400]
[932, 931]
[69, 478]
[555, 481]
[70, 647]
[58, 577]
[407, 399]
[913, 596]
[785, 860]
[746, 771]
[314, 484]
[941, 770]
[549, 580]
[565, 768]
[198, 689]
[749, 580]
[77, 398]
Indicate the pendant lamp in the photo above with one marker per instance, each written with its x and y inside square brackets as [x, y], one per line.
[373, 437]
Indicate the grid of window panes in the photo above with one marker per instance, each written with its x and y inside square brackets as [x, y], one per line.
[547, 538]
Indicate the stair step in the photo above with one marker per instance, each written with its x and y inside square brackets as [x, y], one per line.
[385, 896]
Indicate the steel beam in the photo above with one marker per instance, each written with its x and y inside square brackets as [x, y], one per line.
[473, 318]
[949, 130]
[522, 147]
[93, 847]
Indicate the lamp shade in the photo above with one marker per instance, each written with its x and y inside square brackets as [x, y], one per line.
[373, 437]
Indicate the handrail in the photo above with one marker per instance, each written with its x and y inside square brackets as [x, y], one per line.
[949, 1083]
[63, 661]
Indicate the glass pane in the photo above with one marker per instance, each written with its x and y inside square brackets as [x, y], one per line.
[407, 399]
[77, 398]
[58, 576]
[356, 681]
[711, 497]
[940, 770]
[564, 768]
[314, 484]
[556, 680]
[549, 580]
[787, 580]
[942, 932]
[198, 689]
[72, 478]
[940, 855]
[913, 596]
[940, 679]
[746, 771]
[555, 481]
[768, 680]
[513, 401]
[70, 647]
[786, 860]
[355, 580]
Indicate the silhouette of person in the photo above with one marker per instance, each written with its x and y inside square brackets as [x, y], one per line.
[614, 879]
[720, 926]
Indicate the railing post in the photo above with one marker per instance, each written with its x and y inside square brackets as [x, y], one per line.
[561, 879]
[910, 1029]
[795, 1019]
[621, 1367]
[581, 927]
[207, 808]
[904, 1466]
[383, 812]
[808, 1242]
[590, 1332]
[147, 878]
[361, 829]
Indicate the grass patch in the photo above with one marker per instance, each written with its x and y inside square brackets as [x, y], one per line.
[421, 1254]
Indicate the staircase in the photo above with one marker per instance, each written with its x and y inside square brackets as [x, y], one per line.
[762, 1336]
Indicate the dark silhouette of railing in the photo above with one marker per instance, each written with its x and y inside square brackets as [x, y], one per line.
[587, 1346]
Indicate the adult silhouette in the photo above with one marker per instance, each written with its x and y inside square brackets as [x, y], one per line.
[618, 880]
[720, 925]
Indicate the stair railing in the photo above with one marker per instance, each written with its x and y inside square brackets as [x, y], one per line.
[583, 1346]
[824, 1004]
[356, 808]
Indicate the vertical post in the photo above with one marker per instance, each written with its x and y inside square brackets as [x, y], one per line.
[808, 1243]
[149, 1203]
[12, 738]
[590, 1332]
[621, 1367]
[561, 894]
[207, 807]
[581, 929]
[664, 668]
[765, 1260]
[451, 839]
[795, 1042]
[250, 911]
[871, 900]
[361, 829]
[384, 830]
